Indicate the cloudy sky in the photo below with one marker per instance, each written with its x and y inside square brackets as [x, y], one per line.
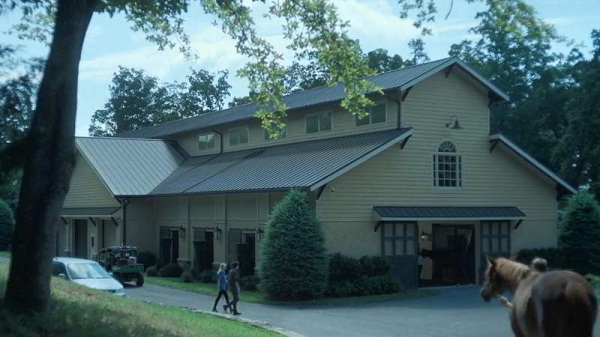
[110, 42]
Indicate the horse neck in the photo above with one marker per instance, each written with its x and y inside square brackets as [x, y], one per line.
[513, 273]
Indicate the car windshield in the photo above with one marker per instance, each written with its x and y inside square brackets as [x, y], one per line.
[86, 271]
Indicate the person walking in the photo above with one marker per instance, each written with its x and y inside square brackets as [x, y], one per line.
[222, 286]
[234, 286]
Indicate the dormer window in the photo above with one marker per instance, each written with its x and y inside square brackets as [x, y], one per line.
[376, 115]
[206, 141]
[238, 136]
[447, 166]
[319, 122]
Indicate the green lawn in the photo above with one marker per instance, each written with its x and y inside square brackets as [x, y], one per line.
[79, 311]
[5, 254]
[256, 297]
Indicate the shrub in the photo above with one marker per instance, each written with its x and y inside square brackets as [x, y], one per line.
[343, 268]
[341, 289]
[187, 277]
[170, 270]
[583, 261]
[368, 275]
[293, 265]
[147, 259]
[250, 283]
[554, 256]
[208, 276]
[195, 273]
[374, 266]
[7, 224]
[580, 228]
[152, 271]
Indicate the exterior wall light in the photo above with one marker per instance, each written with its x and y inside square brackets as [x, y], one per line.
[260, 233]
[218, 232]
[453, 123]
[181, 232]
[425, 236]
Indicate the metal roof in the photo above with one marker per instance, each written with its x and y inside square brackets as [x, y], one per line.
[130, 166]
[89, 211]
[395, 79]
[566, 188]
[308, 164]
[406, 213]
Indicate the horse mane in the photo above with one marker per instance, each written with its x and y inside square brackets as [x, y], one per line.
[513, 272]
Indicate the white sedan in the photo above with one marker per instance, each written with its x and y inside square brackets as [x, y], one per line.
[87, 273]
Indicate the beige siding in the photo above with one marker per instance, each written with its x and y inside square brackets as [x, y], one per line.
[343, 124]
[404, 177]
[86, 189]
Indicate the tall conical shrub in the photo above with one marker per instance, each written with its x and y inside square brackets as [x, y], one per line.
[293, 265]
[7, 224]
[580, 227]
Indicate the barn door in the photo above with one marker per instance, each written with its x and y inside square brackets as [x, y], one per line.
[495, 242]
[399, 247]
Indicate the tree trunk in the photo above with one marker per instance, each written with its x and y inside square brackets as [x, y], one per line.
[49, 162]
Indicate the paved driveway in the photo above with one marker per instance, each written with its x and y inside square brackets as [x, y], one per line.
[456, 312]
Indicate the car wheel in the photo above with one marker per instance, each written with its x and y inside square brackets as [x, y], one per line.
[140, 280]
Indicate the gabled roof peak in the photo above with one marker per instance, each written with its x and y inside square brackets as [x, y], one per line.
[402, 79]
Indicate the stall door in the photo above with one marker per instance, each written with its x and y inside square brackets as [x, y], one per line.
[495, 242]
[399, 247]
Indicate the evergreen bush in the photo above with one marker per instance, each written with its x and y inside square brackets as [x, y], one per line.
[7, 224]
[580, 227]
[152, 271]
[293, 262]
[187, 277]
[170, 270]
[148, 259]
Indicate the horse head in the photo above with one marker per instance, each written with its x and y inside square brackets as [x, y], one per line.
[494, 284]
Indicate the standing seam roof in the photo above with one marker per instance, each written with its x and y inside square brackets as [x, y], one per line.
[388, 80]
[130, 166]
[299, 165]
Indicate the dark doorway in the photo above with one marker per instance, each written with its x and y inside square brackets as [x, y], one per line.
[453, 254]
[246, 254]
[169, 246]
[80, 239]
[203, 249]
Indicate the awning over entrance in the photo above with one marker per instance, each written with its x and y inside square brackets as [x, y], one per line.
[421, 213]
[95, 212]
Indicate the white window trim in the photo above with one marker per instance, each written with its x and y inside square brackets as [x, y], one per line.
[214, 141]
[230, 130]
[319, 125]
[434, 182]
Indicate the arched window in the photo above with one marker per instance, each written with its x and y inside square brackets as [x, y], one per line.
[447, 166]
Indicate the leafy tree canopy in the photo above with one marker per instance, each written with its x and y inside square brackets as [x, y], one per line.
[138, 100]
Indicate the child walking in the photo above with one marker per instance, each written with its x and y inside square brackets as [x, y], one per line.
[222, 286]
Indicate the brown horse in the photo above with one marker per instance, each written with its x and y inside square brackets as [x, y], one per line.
[551, 304]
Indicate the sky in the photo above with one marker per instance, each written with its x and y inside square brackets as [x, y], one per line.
[375, 23]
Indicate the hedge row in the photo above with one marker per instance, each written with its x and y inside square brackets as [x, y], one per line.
[368, 275]
[583, 261]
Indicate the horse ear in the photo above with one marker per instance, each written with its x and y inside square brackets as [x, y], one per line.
[491, 260]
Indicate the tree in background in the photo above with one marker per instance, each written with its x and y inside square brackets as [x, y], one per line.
[18, 86]
[580, 227]
[7, 224]
[514, 51]
[138, 100]
[579, 150]
[293, 265]
[309, 25]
